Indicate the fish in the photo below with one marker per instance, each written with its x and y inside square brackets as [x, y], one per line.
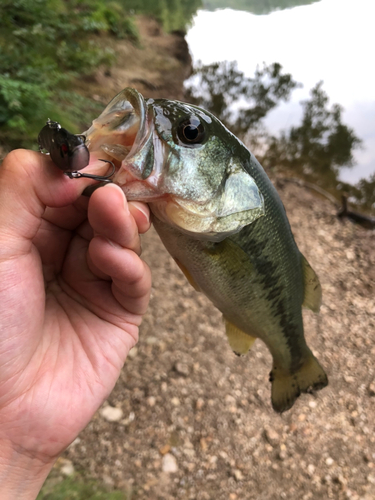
[222, 220]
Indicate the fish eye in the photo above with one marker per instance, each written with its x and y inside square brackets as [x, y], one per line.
[191, 131]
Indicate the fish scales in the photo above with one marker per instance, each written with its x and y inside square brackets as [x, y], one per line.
[221, 219]
[270, 245]
[268, 272]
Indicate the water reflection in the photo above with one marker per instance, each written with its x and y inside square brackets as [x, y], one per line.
[255, 6]
[239, 101]
[329, 40]
[316, 149]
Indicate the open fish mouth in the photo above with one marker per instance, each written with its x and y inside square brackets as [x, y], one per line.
[192, 181]
[124, 133]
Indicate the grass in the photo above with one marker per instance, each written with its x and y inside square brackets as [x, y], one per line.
[77, 488]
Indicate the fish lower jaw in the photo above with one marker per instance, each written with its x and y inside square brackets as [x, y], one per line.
[136, 190]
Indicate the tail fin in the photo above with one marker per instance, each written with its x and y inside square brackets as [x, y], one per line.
[287, 387]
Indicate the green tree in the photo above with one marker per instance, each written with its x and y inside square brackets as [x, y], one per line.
[173, 14]
[364, 193]
[44, 46]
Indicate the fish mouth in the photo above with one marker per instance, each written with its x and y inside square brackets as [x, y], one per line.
[124, 134]
[127, 134]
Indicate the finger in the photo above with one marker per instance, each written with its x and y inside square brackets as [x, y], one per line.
[130, 275]
[110, 216]
[141, 214]
[69, 217]
[29, 182]
[51, 243]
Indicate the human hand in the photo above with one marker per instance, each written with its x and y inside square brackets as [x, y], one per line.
[73, 290]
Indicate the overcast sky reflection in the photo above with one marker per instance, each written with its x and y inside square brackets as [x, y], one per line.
[331, 40]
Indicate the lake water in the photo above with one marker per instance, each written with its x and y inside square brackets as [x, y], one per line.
[331, 40]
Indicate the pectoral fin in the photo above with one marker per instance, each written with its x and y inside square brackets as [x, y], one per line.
[239, 341]
[313, 290]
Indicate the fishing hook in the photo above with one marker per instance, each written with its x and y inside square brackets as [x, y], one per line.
[100, 178]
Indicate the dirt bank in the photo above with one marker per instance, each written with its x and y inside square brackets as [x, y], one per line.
[196, 420]
[157, 66]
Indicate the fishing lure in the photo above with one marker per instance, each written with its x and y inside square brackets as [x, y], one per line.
[68, 151]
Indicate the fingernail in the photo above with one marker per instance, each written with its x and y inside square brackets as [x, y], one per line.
[141, 208]
[111, 185]
[114, 244]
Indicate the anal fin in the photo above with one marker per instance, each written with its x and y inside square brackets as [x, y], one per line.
[313, 290]
[239, 341]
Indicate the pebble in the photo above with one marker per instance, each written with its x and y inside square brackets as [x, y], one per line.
[271, 436]
[311, 469]
[151, 340]
[181, 368]
[151, 401]
[238, 476]
[133, 352]
[111, 413]
[67, 469]
[203, 443]
[164, 449]
[175, 401]
[75, 442]
[169, 463]
[199, 404]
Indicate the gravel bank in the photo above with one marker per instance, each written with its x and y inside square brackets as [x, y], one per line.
[194, 421]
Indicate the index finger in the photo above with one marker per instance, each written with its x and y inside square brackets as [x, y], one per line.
[29, 181]
[114, 220]
[72, 215]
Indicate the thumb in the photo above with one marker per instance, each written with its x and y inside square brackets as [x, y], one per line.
[29, 182]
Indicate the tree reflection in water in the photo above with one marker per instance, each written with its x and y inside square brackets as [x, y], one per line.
[316, 149]
[238, 101]
[255, 6]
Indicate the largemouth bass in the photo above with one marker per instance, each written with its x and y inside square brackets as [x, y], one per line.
[222, 221]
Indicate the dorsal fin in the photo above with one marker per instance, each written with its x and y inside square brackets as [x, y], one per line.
[239, 341]
[313, 290]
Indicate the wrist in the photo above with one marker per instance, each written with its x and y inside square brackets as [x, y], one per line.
[21, 475]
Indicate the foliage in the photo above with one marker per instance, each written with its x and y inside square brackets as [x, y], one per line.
[73, 488]
[239, 101]
[44, 46]
[363, 193]
[173, 14]
[255, 6]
